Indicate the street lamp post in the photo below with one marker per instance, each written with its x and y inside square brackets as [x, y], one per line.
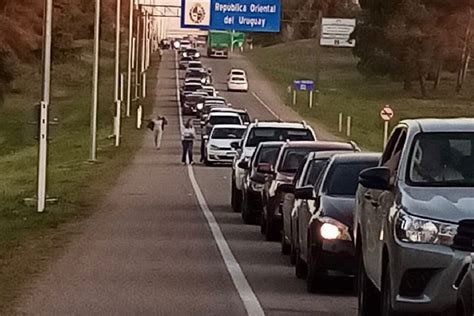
[44, 107]
[117, 76]
[130, 52]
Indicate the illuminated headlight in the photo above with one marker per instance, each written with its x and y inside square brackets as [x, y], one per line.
[413, 229]
[200, 106]
[185, 54]
[203, 80]
[197, 55]
[332, 229]
[214, 147]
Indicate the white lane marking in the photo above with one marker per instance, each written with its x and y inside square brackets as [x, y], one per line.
[266, 106]
[248, 297]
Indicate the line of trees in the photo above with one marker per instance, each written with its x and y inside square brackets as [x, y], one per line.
[415, 40]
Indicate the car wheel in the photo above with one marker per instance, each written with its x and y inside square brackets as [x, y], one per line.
[300, 266]
[386, 294]
[292, 254]
[271, 233]
[246, 216]
[207, 162]
[263, 224]
[236, 197]
[315, 272]
[285, 247]
[368, 295]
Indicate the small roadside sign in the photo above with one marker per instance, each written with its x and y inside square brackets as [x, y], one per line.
[303, 85]
[387, 113]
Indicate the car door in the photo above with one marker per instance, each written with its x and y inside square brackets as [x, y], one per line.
[374, 212]
[289, 199]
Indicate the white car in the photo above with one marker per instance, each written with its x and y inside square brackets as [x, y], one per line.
[237, 83]
[218, 147]
[237, 72]
[185, 44]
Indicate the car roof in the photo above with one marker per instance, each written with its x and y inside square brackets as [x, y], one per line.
[326, 154]
[356, 157]
[223, 114]
[230, 126]
[301, 144]
[319, 145]
[192, 83]
[275, 124]
[271, 144]
[233, 110]
[432, 125]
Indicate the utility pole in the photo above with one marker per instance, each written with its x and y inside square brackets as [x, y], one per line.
[44, 107]
[137, 55]
[129, 70]
[318, 53]
[95, 83]
[117, 76]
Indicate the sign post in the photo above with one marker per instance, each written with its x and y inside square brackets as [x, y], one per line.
[386, 114]
[304, 85]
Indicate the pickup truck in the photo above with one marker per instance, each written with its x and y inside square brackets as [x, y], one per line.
[414, 222]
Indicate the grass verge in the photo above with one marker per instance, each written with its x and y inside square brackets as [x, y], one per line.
[27, 239]
[344, 90]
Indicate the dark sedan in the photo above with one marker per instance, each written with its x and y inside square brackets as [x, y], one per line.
[325, 225]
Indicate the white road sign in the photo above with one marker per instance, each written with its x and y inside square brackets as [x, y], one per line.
[386, 113]
[336, 32]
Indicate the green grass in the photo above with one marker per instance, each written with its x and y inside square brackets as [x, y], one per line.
[27, 239]
[343, 89]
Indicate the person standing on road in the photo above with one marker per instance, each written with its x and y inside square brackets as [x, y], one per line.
[188, 136]
[158, 127]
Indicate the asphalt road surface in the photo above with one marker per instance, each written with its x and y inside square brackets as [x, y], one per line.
[165, 241]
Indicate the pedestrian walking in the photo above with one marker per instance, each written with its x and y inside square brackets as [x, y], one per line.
[187, 138]
[157, 125]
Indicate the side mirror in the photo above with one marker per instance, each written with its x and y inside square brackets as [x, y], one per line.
[235, 145]
[305, 193]
[244, 164]
[287, 188]
[265, 168]
[375, 178]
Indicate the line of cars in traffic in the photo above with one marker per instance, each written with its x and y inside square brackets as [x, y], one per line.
[401, 221]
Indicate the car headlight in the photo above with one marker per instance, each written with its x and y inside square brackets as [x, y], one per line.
[412, 229]
[197, 55]
[332, 229]
[214, 147]
[200, 106]
[203, 80]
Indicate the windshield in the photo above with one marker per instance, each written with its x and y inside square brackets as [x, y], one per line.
[219, 120]
[291, 159]
[268, 134]
[343, 178]
[245, 117]
[228, 133]
[442, 159]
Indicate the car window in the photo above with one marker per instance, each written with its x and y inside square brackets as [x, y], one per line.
[292, 158]
[228, 133]
[245, 117]
[219, 120]
[267, 155]
[314, 171]
[442, 159]
[392, 142]
[343, 178]
[268, 134]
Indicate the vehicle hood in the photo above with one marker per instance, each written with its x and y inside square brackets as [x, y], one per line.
[340, 208]
[222, 143]
[444, 204]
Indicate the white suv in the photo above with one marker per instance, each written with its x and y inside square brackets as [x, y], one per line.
[262, 132]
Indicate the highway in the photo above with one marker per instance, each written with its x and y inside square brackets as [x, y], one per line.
[165, 241]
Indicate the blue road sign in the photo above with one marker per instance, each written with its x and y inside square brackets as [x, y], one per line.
[303, 85]
[246, 15]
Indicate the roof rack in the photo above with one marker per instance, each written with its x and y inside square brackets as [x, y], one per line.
[256, 121]
[354, 145]
[305, 125]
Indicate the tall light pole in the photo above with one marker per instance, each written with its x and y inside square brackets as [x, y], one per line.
[137, 56]
[95, 83]
[129, 70]
[44, 107]
[117, 75]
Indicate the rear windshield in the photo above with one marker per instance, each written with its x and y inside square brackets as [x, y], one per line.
[292, 158]
[268, 134]
[219, 120]
[442, 159]
[267, 155]
[343, 178]
[228, 133]
[192, 87]
[238, 79]
[186, 59]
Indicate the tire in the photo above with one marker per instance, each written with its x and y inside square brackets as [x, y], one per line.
[263, 224]
[292, 255]
[245, 209]
[300, 266]
[208, 163]
[285, 247]
[271, 233]
[315, 272]
[368, 295]
[236, 198]
[386, 305]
